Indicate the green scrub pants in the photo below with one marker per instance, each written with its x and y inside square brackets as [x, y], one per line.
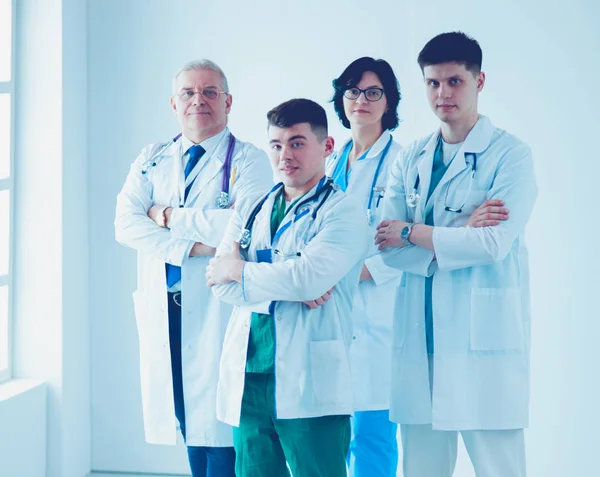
[313, 447]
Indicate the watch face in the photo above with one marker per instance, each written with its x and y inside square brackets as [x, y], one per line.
[404, 235]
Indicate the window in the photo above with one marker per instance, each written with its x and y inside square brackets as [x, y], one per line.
[6, 178]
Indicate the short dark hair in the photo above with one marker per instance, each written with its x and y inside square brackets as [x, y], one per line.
[352, 76]
[300, 110]
[453, 47]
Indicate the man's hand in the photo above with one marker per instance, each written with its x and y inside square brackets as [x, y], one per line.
[312, 304]
[490, 213]
[388, 234]
[156, 214]
[365, 274]
[225, 268]
[201, 250]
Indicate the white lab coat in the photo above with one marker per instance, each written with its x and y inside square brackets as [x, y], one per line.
[373, 310]
[204, 319]
[481, 321]
[312, 368]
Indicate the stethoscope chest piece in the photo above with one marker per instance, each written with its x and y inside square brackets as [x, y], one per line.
[222, 200]
[244, 238]
[412, 199]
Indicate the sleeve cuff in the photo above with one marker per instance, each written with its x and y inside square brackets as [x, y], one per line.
[380, 272]
[414, 260]
[180, 252]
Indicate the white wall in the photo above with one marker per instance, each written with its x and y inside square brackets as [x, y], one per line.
[51, 340]
[23, 429]
[542, 64]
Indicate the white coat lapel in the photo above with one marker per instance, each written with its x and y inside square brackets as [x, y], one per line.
[379, 145]
[424, 166]
[476, 142]
[334, 159]
[261, 230]
[168, 181]
[457, 165]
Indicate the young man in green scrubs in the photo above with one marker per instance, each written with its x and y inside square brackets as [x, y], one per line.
[291, 273]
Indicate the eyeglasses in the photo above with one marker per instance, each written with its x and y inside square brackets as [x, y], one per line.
[371, 94]
[210, 94]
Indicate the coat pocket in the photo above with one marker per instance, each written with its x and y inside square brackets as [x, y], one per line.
[330, 371]
[496, 319]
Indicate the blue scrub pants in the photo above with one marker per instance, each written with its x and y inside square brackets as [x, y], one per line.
[204, 461]
[374, 448]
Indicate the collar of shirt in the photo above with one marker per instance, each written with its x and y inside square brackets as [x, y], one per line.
[209, 145]
[450, 150]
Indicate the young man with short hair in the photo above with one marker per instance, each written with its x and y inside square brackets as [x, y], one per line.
[461, 341]
[290, 264]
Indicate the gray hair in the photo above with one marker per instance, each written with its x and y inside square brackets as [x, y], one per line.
[201, 65]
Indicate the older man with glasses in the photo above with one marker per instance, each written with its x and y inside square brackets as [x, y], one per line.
[173, 209]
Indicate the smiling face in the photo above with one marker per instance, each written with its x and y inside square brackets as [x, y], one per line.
[361, 112]
[452, 91]
[298, 156]
[198, 117]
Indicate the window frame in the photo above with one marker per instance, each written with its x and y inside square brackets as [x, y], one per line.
[8, 87]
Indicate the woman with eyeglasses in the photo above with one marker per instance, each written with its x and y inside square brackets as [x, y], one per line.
[366, 97]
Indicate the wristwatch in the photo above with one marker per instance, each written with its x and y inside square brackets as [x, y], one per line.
[405, 234]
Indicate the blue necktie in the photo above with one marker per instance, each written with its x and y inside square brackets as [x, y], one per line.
[195, 153]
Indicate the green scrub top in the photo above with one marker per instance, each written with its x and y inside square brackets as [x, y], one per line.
[437, 172]
[261, 341]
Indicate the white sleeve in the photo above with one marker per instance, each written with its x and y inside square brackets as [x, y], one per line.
[135, 229]
[325, 260]
[232, 293]
[415, 260]
[514, 183]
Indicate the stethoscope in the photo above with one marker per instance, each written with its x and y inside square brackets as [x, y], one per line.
[412, 199]
[222, 200]
[325, 187]
[374, 183]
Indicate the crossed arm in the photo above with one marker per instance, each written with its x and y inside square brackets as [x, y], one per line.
[325, 260]
[228, 268]
[161, 215]
[488, 214]
[490, 235]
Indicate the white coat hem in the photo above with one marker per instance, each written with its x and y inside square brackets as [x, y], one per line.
[372, 407]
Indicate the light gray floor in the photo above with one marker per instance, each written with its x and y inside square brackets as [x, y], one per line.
[101, 474]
